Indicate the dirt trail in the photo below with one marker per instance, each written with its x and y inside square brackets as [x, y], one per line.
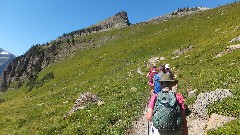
[140, 127]
[196, 124]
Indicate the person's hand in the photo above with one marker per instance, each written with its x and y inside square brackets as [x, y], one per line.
[149, 114]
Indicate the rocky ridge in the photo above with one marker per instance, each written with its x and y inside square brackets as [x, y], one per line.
[178, 13]
[39, 56]
[119, 20]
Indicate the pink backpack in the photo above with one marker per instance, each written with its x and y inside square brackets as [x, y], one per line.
[151, 73]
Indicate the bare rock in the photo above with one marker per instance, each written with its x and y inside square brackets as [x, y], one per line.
[180, 52]
[153, 61]
[178, 13]
[162, 58]
[84, 99]
[229, 49]
[199, 108]
[100, 102]
[196, 126]
[216, 121]
[119, 20]
[235, 39]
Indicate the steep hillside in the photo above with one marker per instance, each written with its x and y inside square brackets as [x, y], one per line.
[39, 56]
[180, 12]
[110, 72]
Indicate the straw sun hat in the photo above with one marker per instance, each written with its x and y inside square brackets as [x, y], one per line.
[167, 77]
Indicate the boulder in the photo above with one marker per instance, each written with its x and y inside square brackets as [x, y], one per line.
[199, 108]
[84, 99]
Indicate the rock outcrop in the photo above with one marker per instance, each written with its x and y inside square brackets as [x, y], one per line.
[229, 49]
[153, 61]
[120, 20]
[237, 39]
[182, 51]
[217, 120]
[199, 121]
[84, 99]
[178, 13]
[199, 108]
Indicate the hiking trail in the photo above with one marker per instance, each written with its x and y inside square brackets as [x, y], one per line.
[196, 124]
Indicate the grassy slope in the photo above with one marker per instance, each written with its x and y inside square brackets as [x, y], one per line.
[104, 72]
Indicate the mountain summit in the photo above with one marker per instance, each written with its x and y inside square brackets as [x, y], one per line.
[5, 58]
[117, 21]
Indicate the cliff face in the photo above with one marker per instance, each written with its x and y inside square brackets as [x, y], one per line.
[38, 56]
[120, 20]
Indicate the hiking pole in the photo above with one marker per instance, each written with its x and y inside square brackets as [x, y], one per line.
[148, 120]
[148, 127]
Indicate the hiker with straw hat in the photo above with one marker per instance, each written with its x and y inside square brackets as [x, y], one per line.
[166, 110]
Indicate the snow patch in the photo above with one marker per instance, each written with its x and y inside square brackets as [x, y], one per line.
[4, 52]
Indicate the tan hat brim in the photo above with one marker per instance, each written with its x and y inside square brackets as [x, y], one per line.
[166, 80]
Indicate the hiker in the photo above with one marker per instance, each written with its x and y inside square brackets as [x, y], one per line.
[150, 75]
[166, 110]
[157, 77]
[161, 70]
[167, 68]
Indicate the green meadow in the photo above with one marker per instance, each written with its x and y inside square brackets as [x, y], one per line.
[110, 72]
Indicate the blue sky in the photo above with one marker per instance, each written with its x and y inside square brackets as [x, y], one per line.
[24, 23]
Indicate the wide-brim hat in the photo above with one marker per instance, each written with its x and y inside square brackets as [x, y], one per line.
[167, 77]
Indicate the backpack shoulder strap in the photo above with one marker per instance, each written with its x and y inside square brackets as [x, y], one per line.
[156, 77]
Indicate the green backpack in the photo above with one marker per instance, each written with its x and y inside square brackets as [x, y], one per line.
[167, 113]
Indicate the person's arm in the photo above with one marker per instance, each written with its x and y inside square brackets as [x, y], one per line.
[149, 114]
[185, 128]
[150, 107]
[147, 74]
[183, 108]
